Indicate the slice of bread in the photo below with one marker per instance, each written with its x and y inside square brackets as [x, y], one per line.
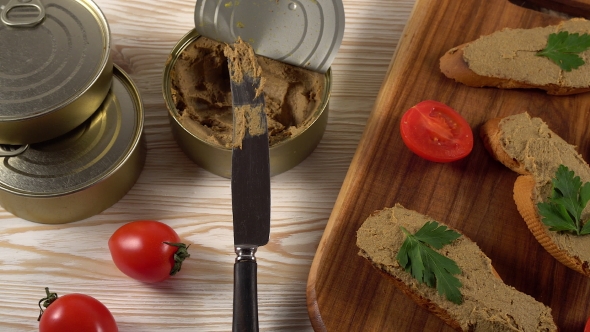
[507, 59]
[527, 146]
[488, 303]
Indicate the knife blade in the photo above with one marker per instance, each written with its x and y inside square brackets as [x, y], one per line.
[250, 182]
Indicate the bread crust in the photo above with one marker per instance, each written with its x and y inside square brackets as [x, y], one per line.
[453, 65]
[524, 197]
[411, 290]
[523, 194]
[490, 135]
[420, 300]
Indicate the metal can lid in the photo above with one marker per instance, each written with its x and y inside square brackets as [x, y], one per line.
[84, 156]
[52, 52]
[302, 33]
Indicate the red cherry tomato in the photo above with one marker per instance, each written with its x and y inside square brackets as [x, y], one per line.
[587, 328]
[74, 313]
[436, 132]
[147, 250]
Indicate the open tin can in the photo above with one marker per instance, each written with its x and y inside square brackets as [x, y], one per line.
[82, 172]
[215, 158]
[55, 67]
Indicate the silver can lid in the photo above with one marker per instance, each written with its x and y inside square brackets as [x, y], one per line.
[82, 157]
[306, 34]
[52, 52]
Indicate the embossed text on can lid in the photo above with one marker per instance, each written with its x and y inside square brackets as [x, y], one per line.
[52, 52]
[63, 179]
[302, 33]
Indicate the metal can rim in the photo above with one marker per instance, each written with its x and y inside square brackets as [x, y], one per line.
[58, 119]
[216, 158]
[137, 140]
[102, 191]
[186, 40]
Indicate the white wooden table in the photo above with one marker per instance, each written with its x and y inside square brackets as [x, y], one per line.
[74, 257]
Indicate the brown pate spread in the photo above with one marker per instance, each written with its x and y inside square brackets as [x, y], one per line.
[541, 151]
[510, 54]
[202, 94]
[488, 303]
[248, 119]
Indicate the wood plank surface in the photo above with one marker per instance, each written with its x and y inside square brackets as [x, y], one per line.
[474, 195]
[74, 258]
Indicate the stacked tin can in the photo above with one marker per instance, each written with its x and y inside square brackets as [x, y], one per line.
[71, 122]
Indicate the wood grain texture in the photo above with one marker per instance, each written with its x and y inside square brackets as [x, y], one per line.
[474, 195]
[74, 257]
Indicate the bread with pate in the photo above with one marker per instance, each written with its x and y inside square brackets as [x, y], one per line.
[507, 59]
[488, 304]
[527, 146]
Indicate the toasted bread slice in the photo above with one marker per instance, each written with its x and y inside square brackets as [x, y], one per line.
[534, 182]
[491, 141]
[488, 303]
[507, 59]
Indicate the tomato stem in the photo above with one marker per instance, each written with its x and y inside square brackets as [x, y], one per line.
[46, 301]
[179, 256]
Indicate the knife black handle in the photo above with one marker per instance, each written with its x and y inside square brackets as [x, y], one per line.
[245, 315]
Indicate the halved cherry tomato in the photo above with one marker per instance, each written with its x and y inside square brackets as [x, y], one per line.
[436, 132]
[75, 313]
[147, 250]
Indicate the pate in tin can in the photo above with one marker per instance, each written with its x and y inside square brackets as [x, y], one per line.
[83, 172]
[198, 96]
[55, 67]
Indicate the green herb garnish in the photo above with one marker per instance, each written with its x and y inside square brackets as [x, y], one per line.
[562, 48]
[563, 210]
[428, 266]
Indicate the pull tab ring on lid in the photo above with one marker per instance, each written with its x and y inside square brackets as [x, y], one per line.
[13, 4]
[12, 150]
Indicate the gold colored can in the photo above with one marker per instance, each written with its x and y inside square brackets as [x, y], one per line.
[55, 67]
[84, 171]
[284, 154]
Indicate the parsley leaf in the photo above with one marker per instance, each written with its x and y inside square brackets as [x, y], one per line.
[563, 210]
[562, 48]
[427, 265]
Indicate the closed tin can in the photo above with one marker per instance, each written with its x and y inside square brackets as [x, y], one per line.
[84, 171]
[55, 67]
[284, 154]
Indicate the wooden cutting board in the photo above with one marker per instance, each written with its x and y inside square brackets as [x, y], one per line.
[580, 8]
[474, 195]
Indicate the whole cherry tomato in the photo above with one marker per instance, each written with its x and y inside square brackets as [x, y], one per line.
[587, 328]
[147, 250]
[74, 313]
[436, 132]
